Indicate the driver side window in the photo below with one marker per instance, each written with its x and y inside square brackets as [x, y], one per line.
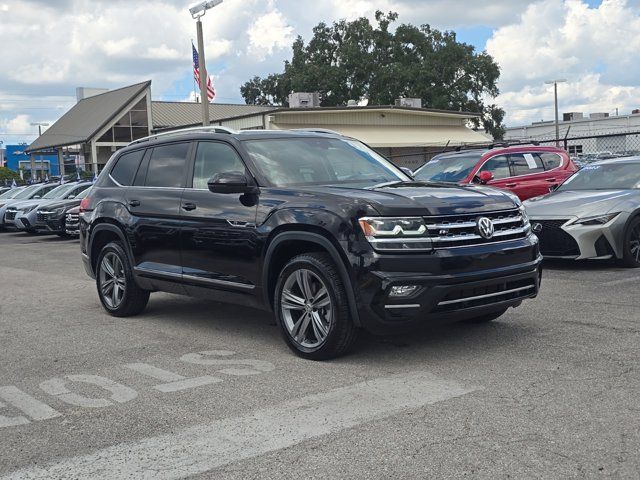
[498, 166]
[213, 158]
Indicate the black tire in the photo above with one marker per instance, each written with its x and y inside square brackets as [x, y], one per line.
[134, 299]
[31, 231]
[342, 332]
[63, 234]
[631, 246]
[489, 317]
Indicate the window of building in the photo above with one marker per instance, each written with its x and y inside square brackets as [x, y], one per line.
[167, 166]
[575, 149]
[498, 166]
[131, 126]
[525, 164]
[213, 158]
[126, 167]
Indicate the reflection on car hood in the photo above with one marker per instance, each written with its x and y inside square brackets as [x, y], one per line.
[418, 198]
[578, 203]
[62, 203]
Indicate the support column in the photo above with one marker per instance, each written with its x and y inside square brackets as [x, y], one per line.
[94, 156]
[61, 162]
[33, 166]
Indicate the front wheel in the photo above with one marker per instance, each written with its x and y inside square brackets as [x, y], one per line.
[312, 309]
[631, 257]
[119, 294]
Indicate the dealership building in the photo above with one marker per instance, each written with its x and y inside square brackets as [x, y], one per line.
[104, 120]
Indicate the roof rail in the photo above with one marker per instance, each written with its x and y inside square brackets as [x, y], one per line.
[318, 130]
[203, 129]
[498, 144]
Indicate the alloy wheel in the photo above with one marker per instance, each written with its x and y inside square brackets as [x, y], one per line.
[306, 308]
[112, 280]
[634, 243]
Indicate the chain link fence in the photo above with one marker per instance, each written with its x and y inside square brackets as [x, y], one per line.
[598, 147]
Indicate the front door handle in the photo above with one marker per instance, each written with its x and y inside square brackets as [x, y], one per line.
[510, 185]
[134, 203]
[189, 206]
[551, 180]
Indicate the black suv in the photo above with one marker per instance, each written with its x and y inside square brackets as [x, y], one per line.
[316, 227]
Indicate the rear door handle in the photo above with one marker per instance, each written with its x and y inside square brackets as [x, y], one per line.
[134, 203]
[189, 206]
[551, 180]
[510, 185]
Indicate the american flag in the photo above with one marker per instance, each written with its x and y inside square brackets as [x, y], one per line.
[211, 93]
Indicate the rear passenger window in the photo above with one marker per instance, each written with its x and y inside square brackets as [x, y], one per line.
[525, 164]
[550, 160]
[126, 167]
[167, 166]
[212, 158]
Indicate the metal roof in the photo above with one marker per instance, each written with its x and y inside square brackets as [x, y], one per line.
[87, 117]
[174, 114]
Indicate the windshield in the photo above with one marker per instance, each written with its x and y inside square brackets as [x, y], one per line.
[59, 191]
[83, 193]
[320, 161]
[449, 168]
[11, 193]
[607, 176]
[27, 192]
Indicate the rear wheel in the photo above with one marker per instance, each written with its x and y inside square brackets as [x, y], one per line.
[631, 256]
[312, 309]
[489, 317]
[119, 294]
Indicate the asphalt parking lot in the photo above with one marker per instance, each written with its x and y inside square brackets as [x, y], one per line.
[203, 390]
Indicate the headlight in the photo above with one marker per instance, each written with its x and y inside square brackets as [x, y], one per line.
[525, 216]
[596, 219]
[396, 234]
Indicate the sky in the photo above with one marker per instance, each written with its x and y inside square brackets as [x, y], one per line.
[50, 47]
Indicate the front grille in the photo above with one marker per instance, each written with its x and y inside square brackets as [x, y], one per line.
[72, 223]
[10, 214]
[486, 295]
[462, 230]
[41, 217]
[554, 241]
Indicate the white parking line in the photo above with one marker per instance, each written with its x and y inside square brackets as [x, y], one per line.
[174, 381]
[205, 447]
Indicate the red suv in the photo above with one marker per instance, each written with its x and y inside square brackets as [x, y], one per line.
[528, 171]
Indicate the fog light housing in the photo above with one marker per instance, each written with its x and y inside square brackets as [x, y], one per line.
[402, 290]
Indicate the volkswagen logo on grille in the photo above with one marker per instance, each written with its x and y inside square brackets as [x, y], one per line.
[536, 227]
[485, 227]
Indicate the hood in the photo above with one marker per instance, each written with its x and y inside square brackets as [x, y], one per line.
[577, 203]
[425, 199]
[72, 202]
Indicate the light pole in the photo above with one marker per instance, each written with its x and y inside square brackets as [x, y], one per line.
[33, 159]
[555, 96]
[197, 12]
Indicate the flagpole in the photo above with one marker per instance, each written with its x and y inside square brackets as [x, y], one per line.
[204, 96]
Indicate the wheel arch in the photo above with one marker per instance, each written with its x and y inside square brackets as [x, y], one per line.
[103, 233]
[287, 244]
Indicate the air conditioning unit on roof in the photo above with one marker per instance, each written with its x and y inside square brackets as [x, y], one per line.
[409, 102]
[304, 100]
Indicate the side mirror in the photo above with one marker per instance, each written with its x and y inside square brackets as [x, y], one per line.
[553, 188]
[408, 171]
[485, 177]
[230, 182]
[36, 196]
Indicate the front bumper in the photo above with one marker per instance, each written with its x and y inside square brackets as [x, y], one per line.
[455, 284]
[560, 238]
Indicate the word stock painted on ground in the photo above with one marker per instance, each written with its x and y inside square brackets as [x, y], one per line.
[35, 410]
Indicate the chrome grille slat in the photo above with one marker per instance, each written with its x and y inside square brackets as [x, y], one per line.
[460, 230]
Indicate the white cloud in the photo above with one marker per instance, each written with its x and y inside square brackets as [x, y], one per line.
[269, 32]
[595, 49]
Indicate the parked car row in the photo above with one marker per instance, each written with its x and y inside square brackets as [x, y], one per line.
[43, 208]
[591, 213]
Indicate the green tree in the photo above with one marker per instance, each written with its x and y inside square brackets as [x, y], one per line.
[6, 174]
[350, 60]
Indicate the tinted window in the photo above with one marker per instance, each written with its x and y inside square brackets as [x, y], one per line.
[605, 176]
[212, 158]
[526, 164]
[167, 166]
[550, 160]
[126, 167]
[498, 166]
